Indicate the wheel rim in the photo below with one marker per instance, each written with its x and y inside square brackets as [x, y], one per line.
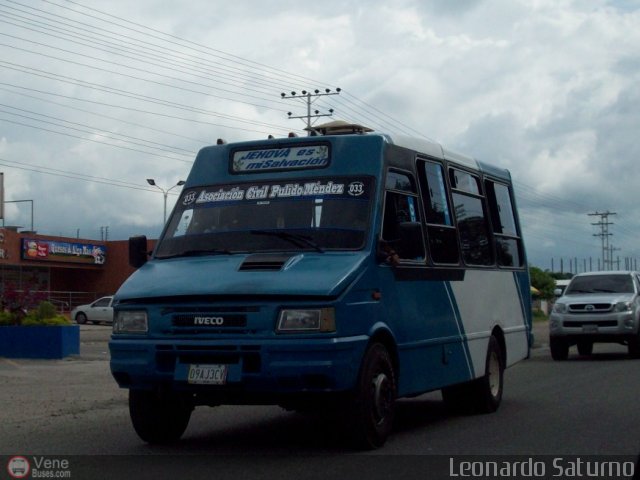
[494, 374]
[382, 396]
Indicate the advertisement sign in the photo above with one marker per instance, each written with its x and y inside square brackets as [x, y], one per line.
[54, 251]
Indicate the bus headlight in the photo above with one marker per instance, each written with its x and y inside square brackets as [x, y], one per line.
[130, 321]
[307, 320]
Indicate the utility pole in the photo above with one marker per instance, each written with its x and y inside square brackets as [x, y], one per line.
[309, 99]
[604, 236]
[611, 250]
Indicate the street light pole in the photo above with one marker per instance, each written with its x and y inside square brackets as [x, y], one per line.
[21, 201]
[165, 193]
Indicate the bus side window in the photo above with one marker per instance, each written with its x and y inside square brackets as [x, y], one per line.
[508, 242]
[401, 227]
[475, 243]
[441, 233]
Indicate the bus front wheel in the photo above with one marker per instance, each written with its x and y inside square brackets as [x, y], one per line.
[372, 407]
[158, 417]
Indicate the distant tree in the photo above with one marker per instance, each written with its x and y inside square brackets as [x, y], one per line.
[560, 276]
[543, 281]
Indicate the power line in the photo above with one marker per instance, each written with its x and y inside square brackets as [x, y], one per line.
[102, 115]
[124, 93]
[162, 49]
[93, 140]
[191, 66]
[72, 175]
[133, 76]
[206, 49]
[308, 99]
[245, 64]
[114, 136]
[138, 110]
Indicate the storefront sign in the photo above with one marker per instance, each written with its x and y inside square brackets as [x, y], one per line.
[52, 251]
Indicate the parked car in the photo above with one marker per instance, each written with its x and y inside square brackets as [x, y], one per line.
[596, 307]
[100, 311]
[561, 285]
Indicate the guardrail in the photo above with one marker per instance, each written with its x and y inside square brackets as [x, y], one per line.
[66, 301]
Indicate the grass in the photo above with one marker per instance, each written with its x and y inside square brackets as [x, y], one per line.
[539, 316]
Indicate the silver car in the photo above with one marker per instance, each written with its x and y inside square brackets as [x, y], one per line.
[597, 307]
[100, 311]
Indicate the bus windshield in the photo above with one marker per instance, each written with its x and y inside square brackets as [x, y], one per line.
[270, 216]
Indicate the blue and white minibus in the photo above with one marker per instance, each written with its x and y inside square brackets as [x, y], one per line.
[332, 273]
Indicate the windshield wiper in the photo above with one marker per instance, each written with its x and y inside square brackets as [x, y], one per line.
[197, 253]
[295, 238]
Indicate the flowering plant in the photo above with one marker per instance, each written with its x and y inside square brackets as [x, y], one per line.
[27, 307]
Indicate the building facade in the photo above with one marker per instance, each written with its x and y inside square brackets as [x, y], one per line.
[69, 271]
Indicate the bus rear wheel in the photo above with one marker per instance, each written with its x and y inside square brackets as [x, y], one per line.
[484, 394]
[158, 417]
[372, 406]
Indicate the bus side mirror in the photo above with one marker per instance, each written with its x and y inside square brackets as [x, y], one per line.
[410, 245]
[137, 251]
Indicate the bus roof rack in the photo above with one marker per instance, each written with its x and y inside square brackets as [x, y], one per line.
[338, 127]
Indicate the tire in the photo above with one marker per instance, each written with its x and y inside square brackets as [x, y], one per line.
[81, 318]
[484, 394]
[634, 347]
[372, 406]
[585, 348]
[488, 389]
[158, 418]
[559, 348]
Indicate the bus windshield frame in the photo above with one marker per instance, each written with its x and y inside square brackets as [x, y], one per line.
[301, 214]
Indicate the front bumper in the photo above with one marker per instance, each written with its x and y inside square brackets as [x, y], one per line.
[275, 366]
[608, 327]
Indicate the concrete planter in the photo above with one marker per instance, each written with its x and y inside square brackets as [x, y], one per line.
[39, 341]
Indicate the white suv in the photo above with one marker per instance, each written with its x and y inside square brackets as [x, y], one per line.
[597, 307]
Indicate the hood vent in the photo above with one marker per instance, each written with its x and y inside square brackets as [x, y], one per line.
[263, 262]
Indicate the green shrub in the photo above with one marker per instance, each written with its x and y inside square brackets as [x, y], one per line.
[46, 310]
[32, 320]
[539, 315]
[43, 314]
[7, 318]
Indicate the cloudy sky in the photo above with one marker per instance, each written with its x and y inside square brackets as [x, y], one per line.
[96, 97]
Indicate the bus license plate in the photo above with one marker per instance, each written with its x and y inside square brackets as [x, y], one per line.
[207, 374]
